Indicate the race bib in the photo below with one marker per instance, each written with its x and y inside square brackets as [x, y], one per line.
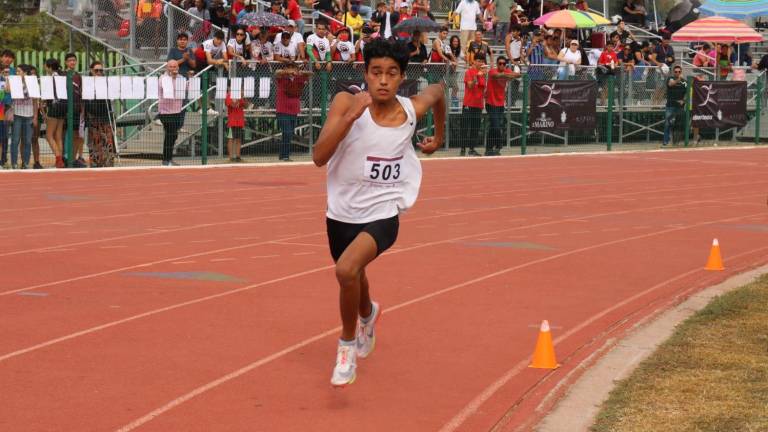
[385, 171]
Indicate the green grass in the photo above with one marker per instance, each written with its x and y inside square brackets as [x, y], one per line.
[711, 375]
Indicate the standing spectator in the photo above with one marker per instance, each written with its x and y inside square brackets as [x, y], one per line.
[676, 88]
[441, 49]
[294, 14]
[494, 106]
[474, 91]
[249, 7]
[319, 47]
[98, 121]
[665, 53]
[215, 50]
[148, 21]
[386, 19]
[478, 48]
[504, 12]
[325, 7]
[7, 57]
[70, 60]
[622, 32]
[236, 123]
[57, 116]
[200, 28]
[404, 15]
[219, 15]
[569, 58]
[290, 86]
[237, 7]
[5, 107]
[724, 64]
[24, 117]
[169, 108]
[455, 44]
[519, 19]
[534, 53]
[469, 11]
[296, 40]
[36, 128]
[183, 55]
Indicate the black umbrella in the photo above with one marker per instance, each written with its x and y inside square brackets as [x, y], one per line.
[263, 19]
[414, 24]
[681, 10]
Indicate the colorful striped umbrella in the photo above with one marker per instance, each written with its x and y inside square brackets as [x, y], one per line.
[736, 9]
[717, 29]
[571, 19]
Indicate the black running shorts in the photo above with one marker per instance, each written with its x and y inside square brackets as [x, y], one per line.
[341, 234]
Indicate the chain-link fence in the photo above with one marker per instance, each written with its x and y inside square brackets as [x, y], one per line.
[260, 112]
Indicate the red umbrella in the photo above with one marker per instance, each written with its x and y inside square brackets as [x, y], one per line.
[717, 29]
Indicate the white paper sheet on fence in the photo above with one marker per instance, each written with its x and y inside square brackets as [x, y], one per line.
[61, 86]
[193, 88]
[237, 88]
[89, 88]
[166, 85]
[138, 87]
[249, 87]
[113, 83]
[101, 88]
[152, 85]
[17, 87]
[221, 88]
[264, 84]
[46, 88]
[33, 86]
[181, 88]
[126, 88]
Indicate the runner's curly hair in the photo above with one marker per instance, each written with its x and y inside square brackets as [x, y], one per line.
[379, 48]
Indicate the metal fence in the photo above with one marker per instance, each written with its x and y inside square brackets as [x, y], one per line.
[630, 114]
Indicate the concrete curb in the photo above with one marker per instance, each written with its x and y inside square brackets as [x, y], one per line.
[576, 411]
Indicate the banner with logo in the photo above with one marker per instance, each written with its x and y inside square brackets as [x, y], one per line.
[719, 104]
[563, 105]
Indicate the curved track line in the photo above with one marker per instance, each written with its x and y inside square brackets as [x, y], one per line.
[472, 407]
[232, 375]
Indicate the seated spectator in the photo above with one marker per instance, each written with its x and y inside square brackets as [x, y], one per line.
[479, 49]
[702, 58]
[762, 65]
[219, 14]
[293, 12]
[262, 50]
[342, 48]
[183, 55]
[633, 12]
[296, 41]
[627, 57]
[363, 10]
[724, 64]
[337, 23]
[417, 49]
[249, 6]
[354, 20]
[625, 36]
[665, 53]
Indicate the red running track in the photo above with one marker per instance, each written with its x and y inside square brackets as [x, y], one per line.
[204, 299]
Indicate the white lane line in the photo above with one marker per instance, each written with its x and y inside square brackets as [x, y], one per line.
[113, 247]
[264, 256]
[222, 259]
[183, 262]
[302, 253]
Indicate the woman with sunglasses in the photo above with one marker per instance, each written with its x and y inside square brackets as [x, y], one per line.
[239, 47]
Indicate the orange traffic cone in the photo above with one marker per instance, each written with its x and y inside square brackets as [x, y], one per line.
[544, 354]
[715, 261]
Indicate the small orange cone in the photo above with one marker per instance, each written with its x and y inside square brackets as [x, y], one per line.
[715, 261]
[544, 354]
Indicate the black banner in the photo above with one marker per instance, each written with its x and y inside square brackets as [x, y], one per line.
[563, 105]
[719, 104]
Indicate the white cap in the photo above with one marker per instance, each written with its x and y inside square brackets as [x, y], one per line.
[574, 41]
[292, 23]
[403, 5]
[518, 7]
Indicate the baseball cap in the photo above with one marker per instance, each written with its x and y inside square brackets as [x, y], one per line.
[574, 41]
[291, 23]
[355, 8]
[403, 5]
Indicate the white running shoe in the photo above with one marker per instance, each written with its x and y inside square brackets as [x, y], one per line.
[346, 364]
[366, 336]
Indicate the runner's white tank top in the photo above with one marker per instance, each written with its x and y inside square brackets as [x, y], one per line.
[374, 173]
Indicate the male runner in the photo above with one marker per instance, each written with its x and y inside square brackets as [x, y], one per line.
[374, 174]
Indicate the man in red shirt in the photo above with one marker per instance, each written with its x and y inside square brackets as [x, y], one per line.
[294, 13]
[290, 86]
[496, 95]
[471, 114]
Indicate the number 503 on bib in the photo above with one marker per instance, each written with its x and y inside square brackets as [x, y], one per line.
[385, 171]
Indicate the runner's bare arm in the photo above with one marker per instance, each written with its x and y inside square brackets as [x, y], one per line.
[432, 97]
[345, 109]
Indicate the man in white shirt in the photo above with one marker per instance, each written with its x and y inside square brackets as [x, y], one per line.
[469, 11]
[216, 50]
[296, 41]
[319, 47]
